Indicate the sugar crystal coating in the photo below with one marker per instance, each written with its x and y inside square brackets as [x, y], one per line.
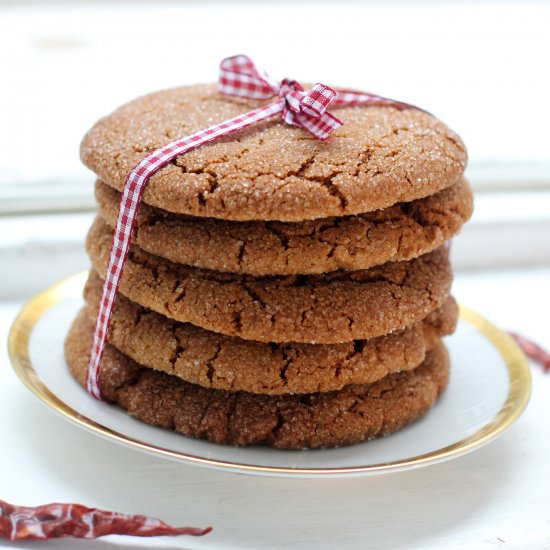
[333, 307]
[224, 362]
[354, 414]
[273, 171]
[400, 232]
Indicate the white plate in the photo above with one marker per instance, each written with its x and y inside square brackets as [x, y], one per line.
[489, 388]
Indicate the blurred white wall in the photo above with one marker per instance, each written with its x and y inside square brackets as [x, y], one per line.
[480, 66]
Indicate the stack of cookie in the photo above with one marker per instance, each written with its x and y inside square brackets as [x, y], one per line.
[279, 290]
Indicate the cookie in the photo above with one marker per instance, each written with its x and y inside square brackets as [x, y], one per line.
[225, 362]
[344, 417]
[400, 232]
[273, 171]
[325, 309]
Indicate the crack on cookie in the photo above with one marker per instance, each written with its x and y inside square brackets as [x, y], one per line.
[126, 384]
[179, 293]
[240, 252]
[358, 347]
[255, 296]
[287, 360]
[230, 413]
[176, 353]
[208, 170]
[335, 191]
[302, 169]
[280, 422]
[237, 322]
[419, 226]
[392, 153]
[363, 161]
[210, 368]
[213, 184]
[306, 399]
[140, 259]
[137, 313]
[451, 137]
[326, 182]
[283, 238]
[332, 250]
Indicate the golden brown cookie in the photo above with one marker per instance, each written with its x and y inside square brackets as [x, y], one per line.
[273, 171]
[213, 360]
[324, 309]
[351, 415]
[400, 232]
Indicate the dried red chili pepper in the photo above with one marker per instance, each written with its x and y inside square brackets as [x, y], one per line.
[57, 520]
[532, 350]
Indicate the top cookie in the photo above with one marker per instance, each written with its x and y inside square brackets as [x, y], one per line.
[273, 171]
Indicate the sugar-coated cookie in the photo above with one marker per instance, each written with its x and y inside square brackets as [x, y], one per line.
[223, 362]
[397, 233]
[273, 171]
[344, 417]
[330, 308]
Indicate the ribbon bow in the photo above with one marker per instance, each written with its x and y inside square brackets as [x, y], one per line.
[240, 77]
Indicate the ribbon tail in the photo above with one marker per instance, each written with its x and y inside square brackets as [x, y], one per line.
[346, 98]
[289, 116]
[240, 77]
[321, 127]
[133, 189]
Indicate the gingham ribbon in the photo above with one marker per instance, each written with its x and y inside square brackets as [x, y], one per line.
[532, 350]
[240, 77]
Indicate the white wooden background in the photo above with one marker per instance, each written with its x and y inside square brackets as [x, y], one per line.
[480, 66]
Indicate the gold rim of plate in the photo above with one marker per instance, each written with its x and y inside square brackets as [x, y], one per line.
[71, 287]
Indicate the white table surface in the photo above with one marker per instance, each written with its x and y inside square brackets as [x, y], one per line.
[496, 497]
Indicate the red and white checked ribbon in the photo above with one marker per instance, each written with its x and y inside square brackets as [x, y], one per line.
[532, 350]
[240, 77]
